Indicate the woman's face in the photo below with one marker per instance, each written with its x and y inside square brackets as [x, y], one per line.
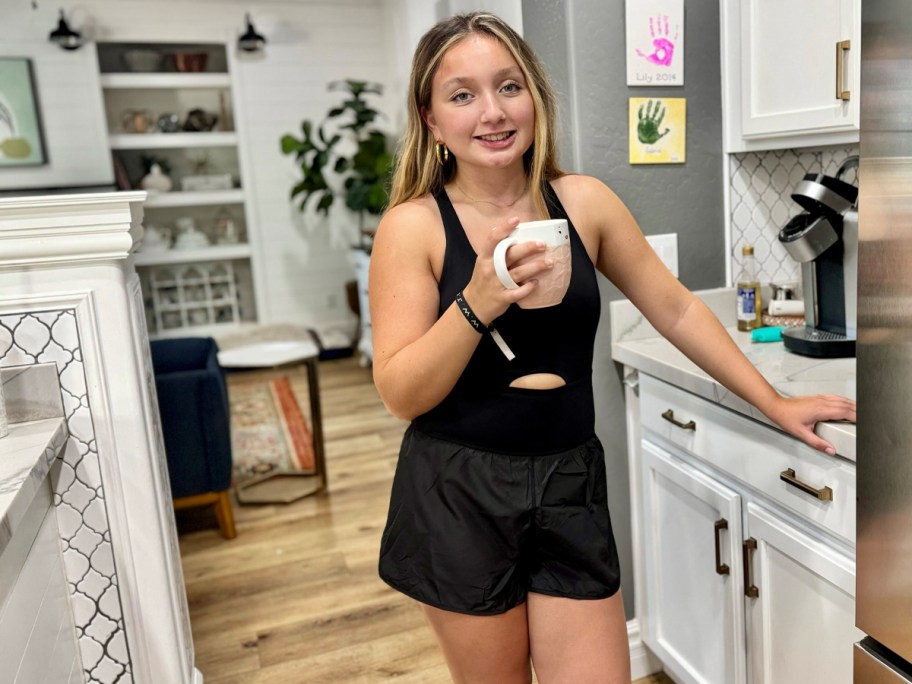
[480, 104]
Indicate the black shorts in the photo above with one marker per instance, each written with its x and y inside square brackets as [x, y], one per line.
[473, 531]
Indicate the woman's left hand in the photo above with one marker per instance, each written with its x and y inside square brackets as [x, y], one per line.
[799, 415]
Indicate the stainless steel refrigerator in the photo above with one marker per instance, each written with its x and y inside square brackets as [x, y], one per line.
[884, 546]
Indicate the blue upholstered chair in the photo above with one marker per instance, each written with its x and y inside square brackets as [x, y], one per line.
[193, 402]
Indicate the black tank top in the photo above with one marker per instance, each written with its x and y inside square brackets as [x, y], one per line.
[482, 410]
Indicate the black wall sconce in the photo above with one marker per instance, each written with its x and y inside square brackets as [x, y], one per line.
[64, 36]
[251, 41]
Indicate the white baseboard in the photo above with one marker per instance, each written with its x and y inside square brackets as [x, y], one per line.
[642, 662]
[197, 676]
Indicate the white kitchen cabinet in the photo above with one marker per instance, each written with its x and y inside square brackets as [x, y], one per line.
[783, 612]
[692, 537]
[790, 73]
[801, 626]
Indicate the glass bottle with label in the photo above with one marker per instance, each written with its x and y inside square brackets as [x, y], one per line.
[748, 287]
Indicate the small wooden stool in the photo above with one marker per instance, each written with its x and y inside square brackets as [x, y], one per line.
[263, 355]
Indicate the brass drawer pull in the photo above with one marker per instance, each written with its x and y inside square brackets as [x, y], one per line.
[749, 589]
[842, 48]
[669, 415]
[823, 494]
[721, 568]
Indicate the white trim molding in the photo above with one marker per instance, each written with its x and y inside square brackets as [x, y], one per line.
[59, 229]
[642, 662]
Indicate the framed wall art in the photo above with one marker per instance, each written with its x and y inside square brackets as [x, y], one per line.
[21, 139]
[655, 42]
[658, 130]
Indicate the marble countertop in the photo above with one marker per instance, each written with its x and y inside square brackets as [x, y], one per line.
[635, 343]
[26, 456]
[38, 433]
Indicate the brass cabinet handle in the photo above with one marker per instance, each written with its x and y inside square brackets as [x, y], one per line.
[669, 415]
[842, 47]
[749, 589]
[721, 568]
[823, 494]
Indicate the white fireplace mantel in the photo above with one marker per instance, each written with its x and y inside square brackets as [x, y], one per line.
[69, 295]
[50, 229]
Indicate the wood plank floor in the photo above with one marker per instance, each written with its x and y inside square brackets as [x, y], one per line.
[295, 597]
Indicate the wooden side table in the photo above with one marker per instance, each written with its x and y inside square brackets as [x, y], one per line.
[284, 486]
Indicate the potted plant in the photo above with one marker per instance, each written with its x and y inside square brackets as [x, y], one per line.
[347, 143]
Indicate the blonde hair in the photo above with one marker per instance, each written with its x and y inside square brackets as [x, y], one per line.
[417, 171]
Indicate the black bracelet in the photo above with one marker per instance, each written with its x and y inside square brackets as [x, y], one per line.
[466, 310]
[463, 306]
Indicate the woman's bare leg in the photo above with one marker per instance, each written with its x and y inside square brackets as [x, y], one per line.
[484, 649]
[574, 641]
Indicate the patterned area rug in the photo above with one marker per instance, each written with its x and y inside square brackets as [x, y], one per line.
[268, 429]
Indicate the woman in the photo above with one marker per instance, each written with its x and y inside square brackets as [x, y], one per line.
[498, 520]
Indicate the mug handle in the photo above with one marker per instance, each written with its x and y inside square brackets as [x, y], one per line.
[500, 262]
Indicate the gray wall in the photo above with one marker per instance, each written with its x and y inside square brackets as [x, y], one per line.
[582, 45]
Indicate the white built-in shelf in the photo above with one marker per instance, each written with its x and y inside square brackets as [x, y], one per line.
[174, 80]
[148, 141]
[187, 256]
[193, 199]
[206, 330]
[190, 304]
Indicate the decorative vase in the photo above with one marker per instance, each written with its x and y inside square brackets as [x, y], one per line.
[156, 180]
[188, 237]
[137, 121]
[226, 229]
[156, 239]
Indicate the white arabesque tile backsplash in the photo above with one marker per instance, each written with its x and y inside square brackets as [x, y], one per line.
[52, 337]
[761, 184]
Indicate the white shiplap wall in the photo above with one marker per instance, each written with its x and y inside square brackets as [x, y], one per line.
[306, 256]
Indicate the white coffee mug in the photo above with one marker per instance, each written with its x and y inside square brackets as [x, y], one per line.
[552, 284]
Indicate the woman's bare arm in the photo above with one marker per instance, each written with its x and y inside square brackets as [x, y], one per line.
[632, 265]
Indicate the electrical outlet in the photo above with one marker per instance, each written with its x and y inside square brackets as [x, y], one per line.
[666, 246]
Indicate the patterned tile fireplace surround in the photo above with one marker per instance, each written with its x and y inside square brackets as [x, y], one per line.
[761, 184]
[79, 496]
[70, 296]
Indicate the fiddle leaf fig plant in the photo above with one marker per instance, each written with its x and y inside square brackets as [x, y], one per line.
[366, 170]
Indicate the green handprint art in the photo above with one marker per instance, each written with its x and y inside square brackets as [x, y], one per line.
[650, 123]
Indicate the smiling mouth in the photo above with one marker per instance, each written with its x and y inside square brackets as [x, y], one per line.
[495, 137]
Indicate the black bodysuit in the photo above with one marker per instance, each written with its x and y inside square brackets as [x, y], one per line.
[482, 410]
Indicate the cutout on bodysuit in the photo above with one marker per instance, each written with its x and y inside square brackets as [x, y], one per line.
[539, 381]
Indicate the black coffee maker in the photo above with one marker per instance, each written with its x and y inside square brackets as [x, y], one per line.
[824, 240]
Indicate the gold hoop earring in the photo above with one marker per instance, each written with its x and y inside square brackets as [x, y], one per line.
[442, 153]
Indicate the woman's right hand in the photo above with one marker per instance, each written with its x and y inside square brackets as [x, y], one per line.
[485, 293]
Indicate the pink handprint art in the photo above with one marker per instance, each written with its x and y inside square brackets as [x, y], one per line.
[663, 47]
